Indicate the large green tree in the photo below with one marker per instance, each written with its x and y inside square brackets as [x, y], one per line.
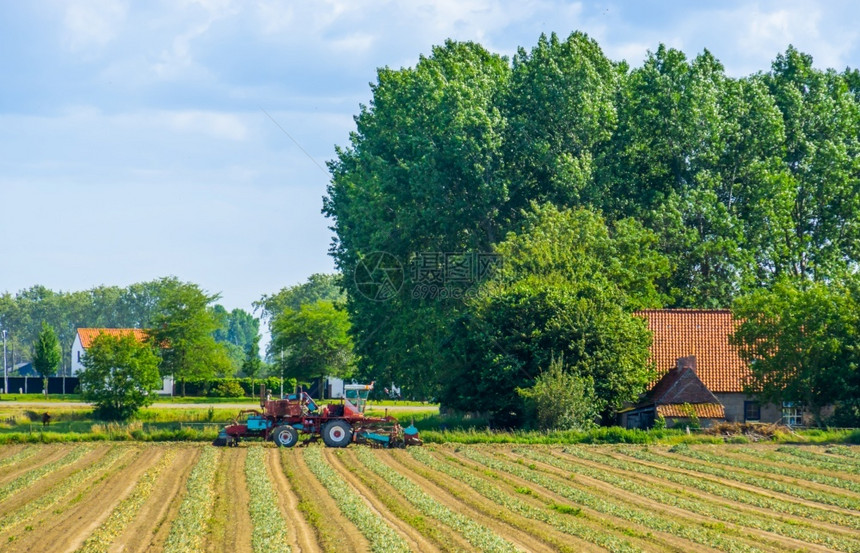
[120, 375]
[420, 176]
[312, 342]
[47, 354]
[182, 329]
[566, 292]
[800, 339]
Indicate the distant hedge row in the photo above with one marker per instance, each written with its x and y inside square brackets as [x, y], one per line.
[233, 387]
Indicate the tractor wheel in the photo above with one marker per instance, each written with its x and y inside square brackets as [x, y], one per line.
[285, 436]
[337, 434]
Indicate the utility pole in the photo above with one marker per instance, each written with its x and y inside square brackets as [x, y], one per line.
[5, 375]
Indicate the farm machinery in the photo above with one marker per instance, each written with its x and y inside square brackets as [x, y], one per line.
[338, 424]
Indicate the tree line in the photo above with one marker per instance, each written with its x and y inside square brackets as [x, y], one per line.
[603, 189]
[30, 316]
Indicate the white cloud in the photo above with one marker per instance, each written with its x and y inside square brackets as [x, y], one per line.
[216, 125]
[91, 23]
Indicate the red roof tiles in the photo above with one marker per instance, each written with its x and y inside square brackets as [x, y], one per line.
[702, 410]
[87, 335]
[704, 334]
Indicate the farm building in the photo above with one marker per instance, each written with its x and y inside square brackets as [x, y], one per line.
[697, 365]
[85, 336]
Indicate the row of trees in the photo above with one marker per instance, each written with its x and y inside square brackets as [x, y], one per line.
[141, 305]
[603, 189]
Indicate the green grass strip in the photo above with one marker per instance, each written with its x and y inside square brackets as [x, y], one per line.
[190, 526]
[270, 535]
[103, 536]
[717, 488]
[31, 477]
[697, 505]
[479, 536]
[70, 485]
[382, 538]
[644, 517]
[16, 458]
[505, 499]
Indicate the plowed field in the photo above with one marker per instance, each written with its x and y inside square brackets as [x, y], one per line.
[123, 497]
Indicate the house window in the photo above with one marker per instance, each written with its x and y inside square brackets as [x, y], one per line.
[792, 414]
[79, 356]
[752, 411]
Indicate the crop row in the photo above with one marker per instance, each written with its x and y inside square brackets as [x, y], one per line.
[32, 476]
[382, 537]
[71, 484]
[190, 525]
[738, 476]
[269, 533]
[562, 523]
[793, 455]
[719, 489]
[703, 536]
[844, 451]
[19, 456]
[696, 505]
[103, 536]
[479, 536]
[782, 470]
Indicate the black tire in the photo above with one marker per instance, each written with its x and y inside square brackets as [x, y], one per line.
[285, 436]
[337, 434]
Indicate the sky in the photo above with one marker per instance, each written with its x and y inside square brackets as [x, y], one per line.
[189, 138]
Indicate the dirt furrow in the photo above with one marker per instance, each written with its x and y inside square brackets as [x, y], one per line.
[231, 524]
[55, 478]
[740, 534]
[63, 530]
[717, 500]
[732, 483]
[464, 493]
[302, 536]
[334, 531]
[523, 540]
[637, 533]
[51, 453]
[416, 541]
[150, 527]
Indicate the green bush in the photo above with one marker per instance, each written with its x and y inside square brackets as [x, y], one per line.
[226, 388]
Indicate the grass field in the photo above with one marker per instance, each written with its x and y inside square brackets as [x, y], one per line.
[184, 497]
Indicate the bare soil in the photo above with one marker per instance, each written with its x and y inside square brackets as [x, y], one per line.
[65, 531]
[231, 525]
[301, 533]
[334, 531]
[337, 460]
[151, 525]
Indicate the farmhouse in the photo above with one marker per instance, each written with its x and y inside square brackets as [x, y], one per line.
[700, 372]
[84, 338]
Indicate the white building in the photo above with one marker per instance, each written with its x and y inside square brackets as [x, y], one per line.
[85, 336]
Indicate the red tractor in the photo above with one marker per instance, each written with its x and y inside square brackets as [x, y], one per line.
[283, 420]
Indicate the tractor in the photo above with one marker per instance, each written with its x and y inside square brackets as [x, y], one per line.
[338, 424]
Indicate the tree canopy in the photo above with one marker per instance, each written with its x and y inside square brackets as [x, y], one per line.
[182, 329]
[119, 375]
[709, 188]
[312, 342]
[46, 356]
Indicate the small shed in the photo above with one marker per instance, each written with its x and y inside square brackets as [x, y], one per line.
[679, 397]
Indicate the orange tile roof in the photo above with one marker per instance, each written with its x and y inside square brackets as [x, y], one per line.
[87, 335]
[703, 333]
[702, 410]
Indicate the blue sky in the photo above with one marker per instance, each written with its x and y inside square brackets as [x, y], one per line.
[134, 142]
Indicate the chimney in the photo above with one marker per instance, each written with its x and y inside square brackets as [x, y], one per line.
[688, 362]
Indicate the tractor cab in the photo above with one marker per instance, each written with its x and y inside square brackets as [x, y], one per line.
[355, 397]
